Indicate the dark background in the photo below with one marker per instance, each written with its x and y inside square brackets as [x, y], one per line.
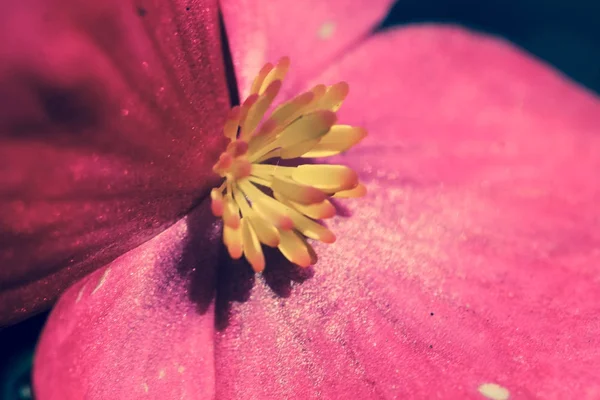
[564, 33]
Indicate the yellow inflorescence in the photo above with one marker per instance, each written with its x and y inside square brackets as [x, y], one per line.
[277, 205]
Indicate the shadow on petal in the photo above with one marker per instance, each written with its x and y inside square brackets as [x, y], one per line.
[341, 210]
[235, 279]
[201, 257]
[213, 276]
[280, 274]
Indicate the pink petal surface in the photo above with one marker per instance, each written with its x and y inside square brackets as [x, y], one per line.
[473, 260]
[110, 122]
[130, 331]
[313, 33]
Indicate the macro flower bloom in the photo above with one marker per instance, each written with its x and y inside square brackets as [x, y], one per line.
[470, 270]
[302, 127]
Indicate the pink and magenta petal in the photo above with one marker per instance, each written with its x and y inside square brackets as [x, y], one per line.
[471, 267]
[313, 33]
[141, 327]
[110, 122]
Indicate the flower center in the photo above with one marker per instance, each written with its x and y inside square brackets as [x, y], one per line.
[262, 202]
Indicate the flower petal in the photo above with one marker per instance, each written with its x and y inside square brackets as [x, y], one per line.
[311, 32]
[470, 267]
[111, 114]
[141, 327]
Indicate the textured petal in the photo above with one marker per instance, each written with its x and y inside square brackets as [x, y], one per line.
[311, 32]
[110, 122]
[470, 268]
[141, 327]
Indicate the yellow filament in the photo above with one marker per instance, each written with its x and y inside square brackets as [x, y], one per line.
[340, 138]
[217, 204]
[266, 231]
[276, 74]
[263, 169]
[231, 125]
[252, 249]
[311, 126]
[308, 127]
[333, 97]
[267, 206]
[358, 191]
[231, 213]
[328, 178]
[318, 91]
[260, 78]
[311, 228]
[322, 210]
[233, 241]
[258, 109]
[290, 110]
[261, 181]
[294, 249]
[299, 149]
[303, 194]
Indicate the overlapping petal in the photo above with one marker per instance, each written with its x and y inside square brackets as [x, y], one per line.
[311, 32]
[110, 121]
[141, 327]
[471, 267]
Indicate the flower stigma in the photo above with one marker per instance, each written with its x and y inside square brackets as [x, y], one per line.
[262, 202]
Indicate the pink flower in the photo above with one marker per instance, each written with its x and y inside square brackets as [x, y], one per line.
[469, 271]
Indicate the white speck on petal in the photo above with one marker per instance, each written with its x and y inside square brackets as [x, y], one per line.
[80, 294]
[161, 374]
[327, 30]
[181, 369]
[101, 281]
[145, 387]
[494, 391]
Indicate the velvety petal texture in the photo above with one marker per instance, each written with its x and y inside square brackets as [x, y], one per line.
[109, 125]
[470, 271]
[154, 334]
[313, 33]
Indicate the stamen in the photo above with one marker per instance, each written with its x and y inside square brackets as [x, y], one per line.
[231, 213]
[252, 249]
[258, 109]
[231, 125]
[275, 205]
[358, 191]
[328, 178]
[334, 97]
[266, 231]
[276, 74]
[322, 210]
[217, 204]
[340, 138]
[294, 249]
[267, 206]
[297, 192]
[260, 78]
[233, 241]
[237, 148]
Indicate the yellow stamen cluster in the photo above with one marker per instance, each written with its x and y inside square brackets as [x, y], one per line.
[265, 203]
